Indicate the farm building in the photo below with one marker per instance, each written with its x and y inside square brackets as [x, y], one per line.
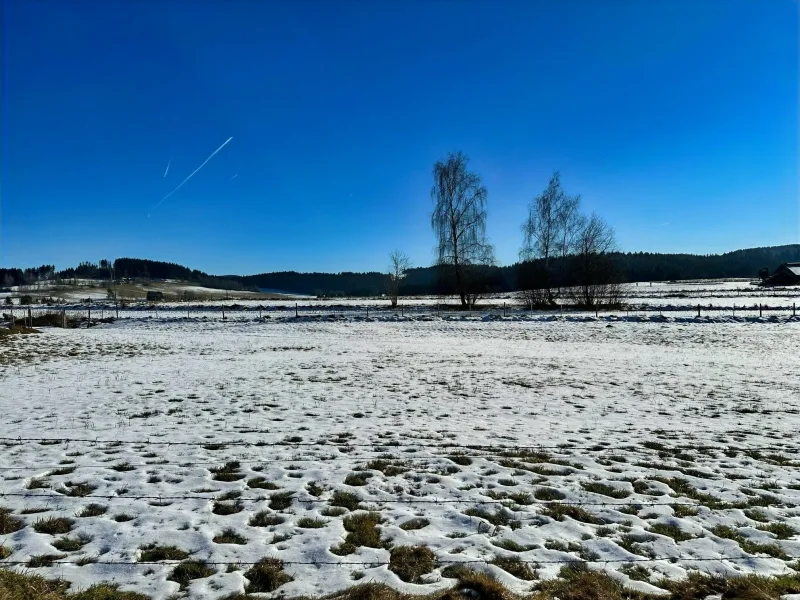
[155, 296]
[786, 274]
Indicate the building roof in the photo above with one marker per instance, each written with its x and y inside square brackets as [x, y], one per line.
[793, 267]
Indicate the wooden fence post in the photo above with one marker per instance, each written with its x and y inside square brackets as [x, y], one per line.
[504, 309]
[759, 310]
[698, 310]
[295, 310]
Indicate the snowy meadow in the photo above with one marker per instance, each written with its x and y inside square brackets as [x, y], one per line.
[171, 456]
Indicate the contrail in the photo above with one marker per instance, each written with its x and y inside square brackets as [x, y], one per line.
[168, 164]
[234, 177]
[193, 172]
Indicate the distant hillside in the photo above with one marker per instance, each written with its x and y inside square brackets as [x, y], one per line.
[633, 266]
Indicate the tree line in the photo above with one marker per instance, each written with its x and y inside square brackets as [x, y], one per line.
[632, 266]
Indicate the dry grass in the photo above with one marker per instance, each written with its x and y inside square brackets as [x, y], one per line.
[280, 501]
[16, 330]
[362, 530]
[346, 500]
[514, 566]
[410, 563]
[53, 525]
[560, 511]
[9, 524]
[265, 519]
[68, 544]
[229, 536]
[154, 553]
[187, 571]
[267, 575]
[575, 582]
[27, 586]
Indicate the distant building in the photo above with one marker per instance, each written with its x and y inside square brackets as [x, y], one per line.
[155, 296]
[786, 274]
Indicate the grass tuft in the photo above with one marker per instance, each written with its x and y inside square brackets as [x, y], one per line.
[514, 566]
[265, 519]
[53, 525]
[155, 553]
[229, 536]
[280, 501]
[267, 575]
[410, 563]
[185, 572]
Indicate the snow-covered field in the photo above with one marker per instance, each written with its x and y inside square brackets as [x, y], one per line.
[646, 448]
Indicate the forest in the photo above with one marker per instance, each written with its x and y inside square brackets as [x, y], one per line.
[631, 266]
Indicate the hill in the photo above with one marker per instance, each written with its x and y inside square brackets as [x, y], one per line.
[632, 266]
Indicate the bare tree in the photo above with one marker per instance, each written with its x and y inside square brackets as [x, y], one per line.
[549, 235]
[459, 222]
[597, 278]
[399, 263]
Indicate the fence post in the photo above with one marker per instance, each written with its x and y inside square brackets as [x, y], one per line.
[368, 311]
[30, 317]
[90, 311]
[295, 310]
[698, 310]
[793, 309]
[759, 310]
[504, 309]
[223, 312]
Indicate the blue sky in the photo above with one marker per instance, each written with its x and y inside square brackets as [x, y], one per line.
[676, 120]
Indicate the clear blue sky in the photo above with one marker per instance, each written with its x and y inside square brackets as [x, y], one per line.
[675, 119]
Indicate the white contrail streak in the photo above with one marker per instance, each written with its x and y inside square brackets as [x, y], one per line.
[168, 164]
[234, 177]
[193, 172]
